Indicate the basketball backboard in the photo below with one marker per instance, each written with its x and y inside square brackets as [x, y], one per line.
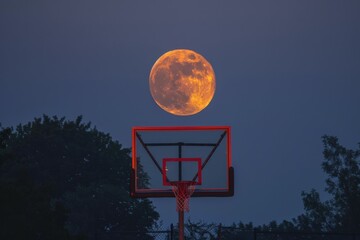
[162, 156]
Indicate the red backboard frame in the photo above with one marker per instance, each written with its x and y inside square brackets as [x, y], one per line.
[154, 193]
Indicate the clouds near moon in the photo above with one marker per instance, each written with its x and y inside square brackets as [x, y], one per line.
[182, 82]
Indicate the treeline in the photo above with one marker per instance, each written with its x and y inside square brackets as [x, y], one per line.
[339, 214]
[64, 179]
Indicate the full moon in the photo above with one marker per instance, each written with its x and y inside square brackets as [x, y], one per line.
[182, 82]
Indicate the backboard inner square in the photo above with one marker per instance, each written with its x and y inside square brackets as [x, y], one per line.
[175, 170]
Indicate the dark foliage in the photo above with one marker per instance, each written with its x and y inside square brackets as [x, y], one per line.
[342, 212]
[339, 216]
[61, 179]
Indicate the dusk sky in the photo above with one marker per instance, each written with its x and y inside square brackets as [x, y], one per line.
[287, 72]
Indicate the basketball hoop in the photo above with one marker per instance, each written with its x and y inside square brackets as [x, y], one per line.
[183, 191]
[185, 153]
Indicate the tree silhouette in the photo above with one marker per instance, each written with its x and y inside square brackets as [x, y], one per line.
[342, 211]
[81, 175]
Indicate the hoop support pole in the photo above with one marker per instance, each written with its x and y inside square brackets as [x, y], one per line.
[181, 224]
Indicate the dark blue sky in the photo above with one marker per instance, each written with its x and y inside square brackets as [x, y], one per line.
[287, 73]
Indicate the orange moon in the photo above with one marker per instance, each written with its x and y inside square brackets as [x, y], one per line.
[182, 82]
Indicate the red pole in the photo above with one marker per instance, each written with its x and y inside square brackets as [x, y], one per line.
[181, 224]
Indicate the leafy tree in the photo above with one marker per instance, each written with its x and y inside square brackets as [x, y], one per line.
[26, 211]
[273, 226]
[80, 173]
[200, 230]
[237, 231]
[342, 211]
[339, 214]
